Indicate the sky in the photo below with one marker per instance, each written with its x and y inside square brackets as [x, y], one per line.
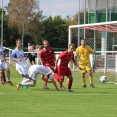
[55, 7]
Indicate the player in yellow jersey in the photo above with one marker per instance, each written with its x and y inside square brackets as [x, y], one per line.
[83, 53]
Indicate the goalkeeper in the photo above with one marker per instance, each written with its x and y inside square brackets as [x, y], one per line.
[83, 53]
[34, 70]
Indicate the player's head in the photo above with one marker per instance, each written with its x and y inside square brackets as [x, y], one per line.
[45, 43]
[71, 48]
[83, 42]
[18, 43]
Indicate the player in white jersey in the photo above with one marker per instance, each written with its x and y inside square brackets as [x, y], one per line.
[4, 66]
[18, 56]
[34, 70]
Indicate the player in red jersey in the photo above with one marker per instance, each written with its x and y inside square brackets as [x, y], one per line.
[63, 69]
[47, 58]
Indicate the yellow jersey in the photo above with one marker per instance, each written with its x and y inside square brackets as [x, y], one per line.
[83, 54]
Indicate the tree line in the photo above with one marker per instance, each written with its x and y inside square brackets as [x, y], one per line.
[24, 20]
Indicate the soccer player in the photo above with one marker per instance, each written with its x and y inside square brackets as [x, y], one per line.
[34, 70]
[83, 53]
[63, 69]
[4, 66]
[47, 58]
[18, 56]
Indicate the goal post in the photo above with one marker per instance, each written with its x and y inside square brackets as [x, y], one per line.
[104, 26]
[106, 61]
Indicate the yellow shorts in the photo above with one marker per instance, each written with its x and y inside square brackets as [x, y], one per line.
[85, 67]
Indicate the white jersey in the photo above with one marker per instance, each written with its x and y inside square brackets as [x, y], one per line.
[21, 65]
[2, 52]
[40, 69]
[34, 70]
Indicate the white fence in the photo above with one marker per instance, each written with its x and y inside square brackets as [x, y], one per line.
[103, 60]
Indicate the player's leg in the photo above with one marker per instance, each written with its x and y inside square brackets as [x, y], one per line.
[70, 79]
[30, 81]
[60, 79]
[45, 83]
[23, 71]
[34, 60]
[1, 74]
[90, 78]
[88, 68]
[83, 72]
[31, 60]
[8, 76]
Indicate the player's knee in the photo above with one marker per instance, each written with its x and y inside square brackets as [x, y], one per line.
[70, 78]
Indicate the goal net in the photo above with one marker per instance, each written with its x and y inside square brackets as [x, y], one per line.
[105, 60]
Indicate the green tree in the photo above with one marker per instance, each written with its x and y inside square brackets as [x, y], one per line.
[56, 32]
[23, 14]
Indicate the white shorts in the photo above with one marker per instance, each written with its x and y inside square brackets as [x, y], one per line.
[3, 65]
[33, 75]
[39, 69]
[23, 70]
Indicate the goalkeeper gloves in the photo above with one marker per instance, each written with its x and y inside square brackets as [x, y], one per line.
[94, 51]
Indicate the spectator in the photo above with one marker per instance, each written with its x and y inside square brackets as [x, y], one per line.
[31, 54]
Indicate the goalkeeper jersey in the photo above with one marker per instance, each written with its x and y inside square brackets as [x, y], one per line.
[83, 54]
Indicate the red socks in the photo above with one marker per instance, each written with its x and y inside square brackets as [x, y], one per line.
[69, 84]
[58, 78]
[45, 83]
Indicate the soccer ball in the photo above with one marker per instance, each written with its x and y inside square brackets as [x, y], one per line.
[103, 79]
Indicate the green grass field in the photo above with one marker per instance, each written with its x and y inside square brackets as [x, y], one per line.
[100, 101]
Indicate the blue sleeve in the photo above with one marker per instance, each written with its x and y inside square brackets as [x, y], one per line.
[4, 51]
[13, 56]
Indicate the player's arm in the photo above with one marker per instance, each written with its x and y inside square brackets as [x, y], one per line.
[41, 58]
[14, 57]
[59, 57]
[75, 63]
[92, 51]
[43, 78]
[56, 62]
[41, 61]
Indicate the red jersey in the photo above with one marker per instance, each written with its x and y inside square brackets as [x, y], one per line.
[48, 56]
[63, 69]
[65, 58]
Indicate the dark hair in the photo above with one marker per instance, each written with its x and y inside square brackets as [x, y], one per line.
[18, 40]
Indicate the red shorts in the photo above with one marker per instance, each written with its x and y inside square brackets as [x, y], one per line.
[64, 71]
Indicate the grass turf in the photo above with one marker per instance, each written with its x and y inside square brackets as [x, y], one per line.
[36, 102]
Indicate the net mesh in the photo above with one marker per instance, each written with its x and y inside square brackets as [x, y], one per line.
[99, 68]
[105, 62]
